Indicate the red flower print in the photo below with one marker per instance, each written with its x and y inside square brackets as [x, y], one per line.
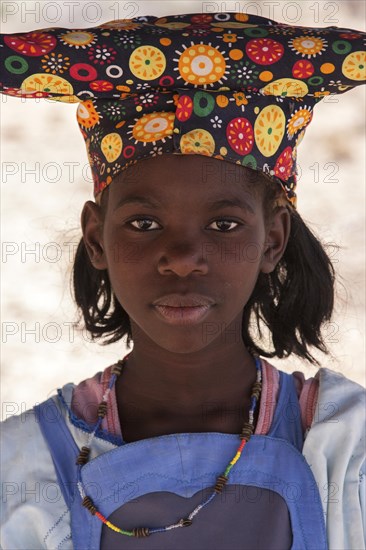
[302, 69]
[184, 108]
[264, 51]
[201, 19]
[240, 135]
[101, 86]
[284, 164]
[32, 43]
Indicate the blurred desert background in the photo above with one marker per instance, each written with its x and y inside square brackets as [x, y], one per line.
[40, 211]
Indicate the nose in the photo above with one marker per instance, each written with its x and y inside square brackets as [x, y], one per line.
[183, 256]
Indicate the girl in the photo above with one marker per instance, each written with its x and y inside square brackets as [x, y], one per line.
[192, 440]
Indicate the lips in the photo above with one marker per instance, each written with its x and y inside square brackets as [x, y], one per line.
[183, 309]
[182, 315]
[184, 300]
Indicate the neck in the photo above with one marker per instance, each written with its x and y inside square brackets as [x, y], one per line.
[163, 380]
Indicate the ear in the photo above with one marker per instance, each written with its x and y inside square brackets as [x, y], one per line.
[92, 227]
[278, 233]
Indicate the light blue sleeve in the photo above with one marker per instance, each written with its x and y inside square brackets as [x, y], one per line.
[33, 511]
[362, 493]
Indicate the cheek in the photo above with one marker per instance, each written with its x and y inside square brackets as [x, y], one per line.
[122, 254]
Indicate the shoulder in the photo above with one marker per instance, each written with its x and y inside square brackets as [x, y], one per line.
[335, 451]
[329, 378]
[339, 415]
[339, 399]
[31, 494]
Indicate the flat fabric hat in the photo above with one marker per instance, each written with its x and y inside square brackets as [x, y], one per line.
[232, 86]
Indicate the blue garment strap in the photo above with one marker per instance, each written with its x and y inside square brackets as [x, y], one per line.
[62, 446]
[286, 422]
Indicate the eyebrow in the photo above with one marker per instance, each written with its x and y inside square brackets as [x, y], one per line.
[230, 202]
[213, 204]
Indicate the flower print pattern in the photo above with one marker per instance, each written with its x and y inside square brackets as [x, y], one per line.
[113, 111]
[101, 86]
[264, 51]
[87, 114]
[199, 142]
[284, 164]
[156, 151]
[241, 99]
[308, 46]
[230, 38]
[216, 121]
[147, 62]
[234, 86]
[32, 44]
[153, 127]
[244, 73]
[101, 53]
[55, 63]
[299, 120]
[269, 129]
[201, 65]
[146, 99]
[184, 108]
[127, 41]
[354, 66]
[240, 135]
[303, 69]
[111, 146]
[49, 84]
[78, 39]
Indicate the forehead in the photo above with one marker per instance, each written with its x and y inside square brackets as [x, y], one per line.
[195, 175]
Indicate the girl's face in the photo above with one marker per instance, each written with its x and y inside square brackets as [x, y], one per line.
[184, 224]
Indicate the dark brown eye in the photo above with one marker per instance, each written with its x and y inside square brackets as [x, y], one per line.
[224, 225]
[142, 224]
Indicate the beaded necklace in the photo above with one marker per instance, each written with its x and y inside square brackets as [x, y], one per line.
[246, 433]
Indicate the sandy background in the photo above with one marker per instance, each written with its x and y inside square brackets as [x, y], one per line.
[40, 210]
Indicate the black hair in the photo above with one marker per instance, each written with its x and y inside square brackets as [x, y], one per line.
[293, 301]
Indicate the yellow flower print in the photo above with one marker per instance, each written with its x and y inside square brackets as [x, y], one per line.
[111, 146]
[269, 129]
[354, 66]
[147, 62]
[286, 87]
[199, 142]
[43, 82]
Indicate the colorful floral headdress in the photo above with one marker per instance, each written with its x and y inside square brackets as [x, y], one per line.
[232, 86]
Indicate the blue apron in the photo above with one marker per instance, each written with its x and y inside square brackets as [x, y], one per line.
[271, 500]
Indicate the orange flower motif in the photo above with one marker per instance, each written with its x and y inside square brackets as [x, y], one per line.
[229, 37]
[123, 88]
[240, 99]
[321, 93]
